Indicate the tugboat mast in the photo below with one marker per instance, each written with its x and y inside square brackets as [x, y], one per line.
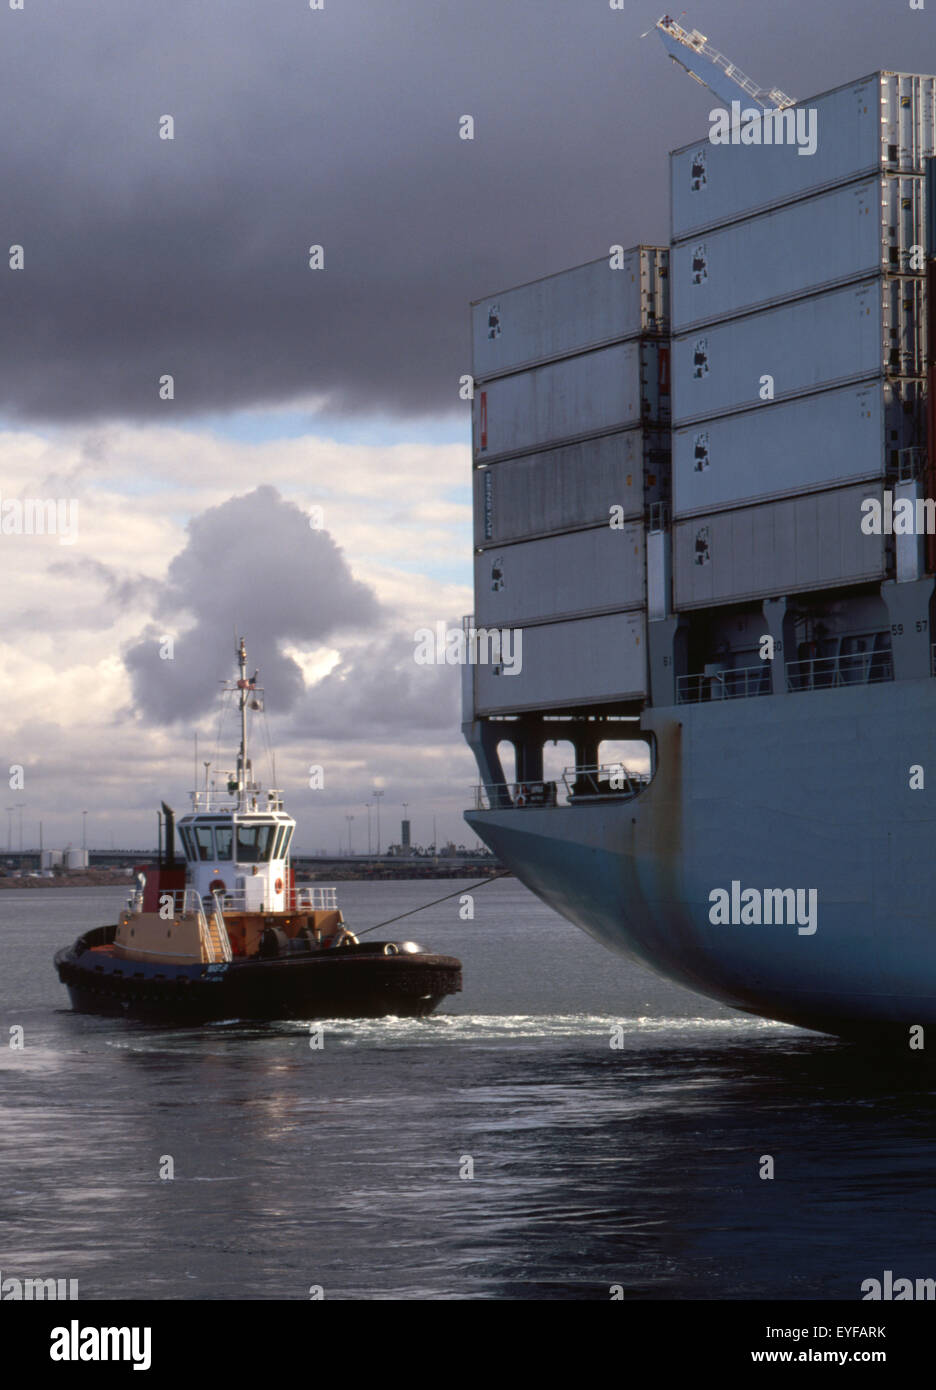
[243, 685]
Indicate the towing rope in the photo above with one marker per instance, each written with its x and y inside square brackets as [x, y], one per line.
[458, 891]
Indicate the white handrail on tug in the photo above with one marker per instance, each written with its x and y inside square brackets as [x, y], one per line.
[315, 899]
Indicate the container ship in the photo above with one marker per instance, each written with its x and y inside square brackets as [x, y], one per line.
[693, 471]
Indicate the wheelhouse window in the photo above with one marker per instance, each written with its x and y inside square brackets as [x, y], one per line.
[282, 841]
[204, 842]
[255, 842]
[187, 844]
[224, 837]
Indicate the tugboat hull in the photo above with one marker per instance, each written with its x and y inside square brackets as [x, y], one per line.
[347, 982]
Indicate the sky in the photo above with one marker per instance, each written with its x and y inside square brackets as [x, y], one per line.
[308, 481]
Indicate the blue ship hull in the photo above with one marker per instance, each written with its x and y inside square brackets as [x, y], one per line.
[800, 790]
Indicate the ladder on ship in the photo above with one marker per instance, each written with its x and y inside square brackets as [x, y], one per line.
[216, 931]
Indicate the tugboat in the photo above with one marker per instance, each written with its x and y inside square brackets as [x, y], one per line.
[227, 934]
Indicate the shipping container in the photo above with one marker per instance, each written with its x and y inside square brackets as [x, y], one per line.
[849, 334]
[570, 487]
[588, 306]
[594, 571]
[848, 234]
[786, 447]
[567, 665]
[595, 393]
[809, 542]
[884, 122]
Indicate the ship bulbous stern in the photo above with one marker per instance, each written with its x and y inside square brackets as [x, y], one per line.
[749, 806]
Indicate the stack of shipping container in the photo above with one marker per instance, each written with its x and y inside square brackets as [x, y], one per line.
[798, 353]
[570, 433]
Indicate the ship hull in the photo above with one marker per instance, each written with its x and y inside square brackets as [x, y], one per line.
[341, 984]
[806, 791]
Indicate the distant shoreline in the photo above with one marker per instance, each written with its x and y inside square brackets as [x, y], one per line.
[385, 873]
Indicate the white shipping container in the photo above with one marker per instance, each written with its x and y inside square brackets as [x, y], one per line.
[779, 449]
[562, 489]
[595, 393]
[883, 122]
[860, 331]
[810, 542]
[577, 309]
[565, 665]
[850, 233]
[601, 570]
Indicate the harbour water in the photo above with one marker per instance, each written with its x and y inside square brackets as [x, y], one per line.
[344, 1168]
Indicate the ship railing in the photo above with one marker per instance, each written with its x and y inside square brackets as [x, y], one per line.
[849, 668]
[305, 899]
[172, 902]
[726, 684]
[316, 898]
[498, 796]
[604, 779]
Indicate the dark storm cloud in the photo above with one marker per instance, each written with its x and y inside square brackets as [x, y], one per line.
[380, 690]
[337, 127]
[252, 565]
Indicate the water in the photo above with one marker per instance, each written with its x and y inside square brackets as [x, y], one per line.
[340, 1168]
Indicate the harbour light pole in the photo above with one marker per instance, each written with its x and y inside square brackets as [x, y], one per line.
[377, 794]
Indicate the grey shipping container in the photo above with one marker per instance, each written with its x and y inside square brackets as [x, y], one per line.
[811, 542]
[565, 665]
[573, 486]
[860, 331]
[848, 234]
[795, 446]
[585, 307]
[594, 571]
[884, 122]
[593, 393]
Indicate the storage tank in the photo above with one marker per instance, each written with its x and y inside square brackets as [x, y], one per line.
[51, 859]
[76, 859]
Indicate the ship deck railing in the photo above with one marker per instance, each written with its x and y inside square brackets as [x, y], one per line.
[727, 684]
[848, 668]
[316, 898]
[605, 780]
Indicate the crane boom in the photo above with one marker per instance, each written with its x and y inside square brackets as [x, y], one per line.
[692, 51]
